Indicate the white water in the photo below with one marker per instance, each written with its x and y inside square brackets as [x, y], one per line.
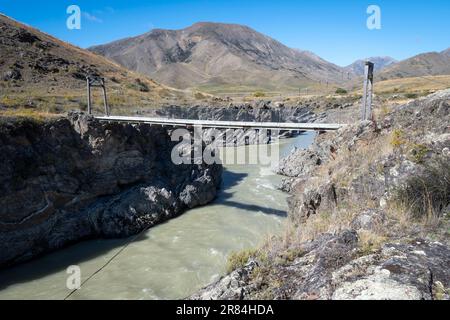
[171, 260]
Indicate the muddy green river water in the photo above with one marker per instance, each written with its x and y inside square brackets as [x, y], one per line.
[171, 260]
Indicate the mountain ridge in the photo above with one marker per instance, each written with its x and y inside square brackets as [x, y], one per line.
[382, 62]
[218, 53]
[39, 70]
[424, 64]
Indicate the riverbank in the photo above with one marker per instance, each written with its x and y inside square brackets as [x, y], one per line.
[368, 211]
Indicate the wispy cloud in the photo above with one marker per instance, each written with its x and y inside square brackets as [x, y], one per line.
[105, 10]
[92, 18]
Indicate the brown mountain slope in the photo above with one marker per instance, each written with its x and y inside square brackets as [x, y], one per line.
[426, 64]
[211, 55]
[40, 72]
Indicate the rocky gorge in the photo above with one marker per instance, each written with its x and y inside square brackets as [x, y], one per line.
[75, 178]
[369, 212]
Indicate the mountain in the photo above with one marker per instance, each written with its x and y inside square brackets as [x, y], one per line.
[215, 54]
[357, 67]
[38, 70]
[446, 52]
[425, 64]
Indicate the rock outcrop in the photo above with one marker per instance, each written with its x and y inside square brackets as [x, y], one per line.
[330, 268]
[75, 178]
[369, 205]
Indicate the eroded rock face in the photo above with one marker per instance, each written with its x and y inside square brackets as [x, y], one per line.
[76, 178]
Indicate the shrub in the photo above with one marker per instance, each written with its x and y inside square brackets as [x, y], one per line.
[138, 85]
[259, 94]
[341, 91]
[398, 139]
[240, 259]
[411, 95]
[428, 194]
[199, 96]
[418, 153]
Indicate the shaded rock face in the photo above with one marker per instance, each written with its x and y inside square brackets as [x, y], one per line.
[77, 178]
[262, 111]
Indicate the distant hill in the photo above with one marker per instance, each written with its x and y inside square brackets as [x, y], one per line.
[446, 52]
[357, 67]
[426, 64]
[214, 54]
[38, 70]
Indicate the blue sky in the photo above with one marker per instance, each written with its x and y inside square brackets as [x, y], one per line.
[335, 30]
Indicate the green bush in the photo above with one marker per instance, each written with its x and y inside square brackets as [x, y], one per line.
[398, 138]
[341, 91]
[411, 95]
[259, 94]
[240, 259]
[418, 153]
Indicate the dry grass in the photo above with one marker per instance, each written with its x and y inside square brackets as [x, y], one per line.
[356, 160]
[417, 85]
[370, 241]
[424, 196]
[37, 115]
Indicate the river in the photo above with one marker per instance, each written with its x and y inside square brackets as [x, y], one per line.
[171, 260]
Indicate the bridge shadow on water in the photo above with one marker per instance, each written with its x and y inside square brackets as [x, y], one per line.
[75, 254]
[231, 179]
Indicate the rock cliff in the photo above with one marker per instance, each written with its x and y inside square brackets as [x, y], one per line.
[75, 178]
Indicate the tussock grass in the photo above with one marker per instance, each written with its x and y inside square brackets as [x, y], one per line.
[426, 195]
[415, 85]
[371, 241]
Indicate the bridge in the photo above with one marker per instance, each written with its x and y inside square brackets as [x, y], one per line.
[282, 126]
[366, 111]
